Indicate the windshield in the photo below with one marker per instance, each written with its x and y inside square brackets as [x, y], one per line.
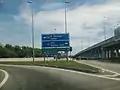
[59, 44]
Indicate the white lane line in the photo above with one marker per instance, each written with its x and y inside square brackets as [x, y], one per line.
[5, 78]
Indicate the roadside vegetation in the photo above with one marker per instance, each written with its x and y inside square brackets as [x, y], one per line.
[10, 51]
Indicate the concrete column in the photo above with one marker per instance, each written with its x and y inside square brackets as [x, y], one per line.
[117, 52]
[112, 53]
[107, 54]
[98, 53]
[103, 53]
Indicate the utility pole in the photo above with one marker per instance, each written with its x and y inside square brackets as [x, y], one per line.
[32, 27]
[66, 2]
[104, 28]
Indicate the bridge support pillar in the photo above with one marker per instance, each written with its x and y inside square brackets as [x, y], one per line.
[103, 54]
[112, 53]
[117, 53]
[107, 54]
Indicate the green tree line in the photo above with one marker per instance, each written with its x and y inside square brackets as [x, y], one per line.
[16, 51]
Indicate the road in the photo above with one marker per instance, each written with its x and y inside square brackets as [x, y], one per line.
[41, 78]
[106, 65]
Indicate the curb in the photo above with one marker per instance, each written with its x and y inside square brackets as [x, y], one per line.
[73, 68]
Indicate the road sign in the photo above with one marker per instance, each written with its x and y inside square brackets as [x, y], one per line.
[55, 37]
[55, 44]
[52, 43]
[55, 49]
[55, 40]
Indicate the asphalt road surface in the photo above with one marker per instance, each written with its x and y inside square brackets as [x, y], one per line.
[40, 78]
[106, 65]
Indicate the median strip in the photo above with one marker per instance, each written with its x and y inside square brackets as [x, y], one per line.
[71, 65]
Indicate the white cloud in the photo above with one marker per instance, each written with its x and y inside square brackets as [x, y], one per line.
[84, 23]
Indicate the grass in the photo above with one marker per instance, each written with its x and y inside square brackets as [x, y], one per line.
[52, 63]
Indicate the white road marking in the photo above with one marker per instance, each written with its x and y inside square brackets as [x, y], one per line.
[5, 78]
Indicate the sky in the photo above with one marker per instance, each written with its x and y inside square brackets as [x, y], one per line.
[86, 21]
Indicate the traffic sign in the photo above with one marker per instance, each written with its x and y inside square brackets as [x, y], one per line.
[55, 40]
[55, 37]
[55, 44]
[52, 43]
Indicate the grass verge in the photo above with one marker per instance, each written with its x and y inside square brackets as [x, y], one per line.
[72, 65]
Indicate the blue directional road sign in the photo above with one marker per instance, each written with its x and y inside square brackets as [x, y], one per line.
[52, 43]
[55, 37]
[55, 40]
[55, 44]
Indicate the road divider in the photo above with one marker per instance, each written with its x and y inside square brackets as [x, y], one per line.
[70, 65]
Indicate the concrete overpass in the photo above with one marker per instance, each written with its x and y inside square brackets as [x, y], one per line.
[106, 49]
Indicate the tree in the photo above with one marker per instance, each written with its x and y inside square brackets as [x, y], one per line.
[10, 51]
[38, 52]
[10, 47]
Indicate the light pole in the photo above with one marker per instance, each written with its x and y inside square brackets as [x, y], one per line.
[66, 25]
[66, 16]
[32, 27]
[104, 28]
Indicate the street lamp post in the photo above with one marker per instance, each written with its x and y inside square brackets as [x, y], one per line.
[66, 16]
[32, 27]
[104, 28]
[66, 25]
